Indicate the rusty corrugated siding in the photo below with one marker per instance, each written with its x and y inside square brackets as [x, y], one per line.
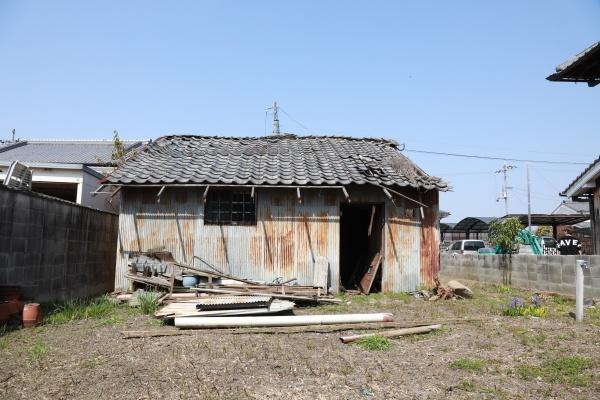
[430, 245]
[285, 242]
[287, 239]
[401, 245]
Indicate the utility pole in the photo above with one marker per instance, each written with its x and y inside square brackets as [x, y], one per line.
[528, 200]
[504, 195]
[275, 109]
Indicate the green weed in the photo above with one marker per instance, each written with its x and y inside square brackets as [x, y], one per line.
[77, 309]
[402, 296]
[466, 386]
[148, 302]
[468, 364]
[503, 288]
[38, 351]
[374, 343]
[571, 369]
[530, 338]
[558, 299]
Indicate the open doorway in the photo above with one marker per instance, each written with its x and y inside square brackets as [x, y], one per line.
[361, 231]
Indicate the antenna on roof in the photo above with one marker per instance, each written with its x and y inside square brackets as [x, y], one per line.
[275, 109]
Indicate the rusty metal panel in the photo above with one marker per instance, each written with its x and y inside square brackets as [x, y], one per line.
[285, 242]
[145, 224]
[430, 236]
[401, 266]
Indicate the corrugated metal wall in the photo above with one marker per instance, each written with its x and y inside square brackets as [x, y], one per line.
[285, 242]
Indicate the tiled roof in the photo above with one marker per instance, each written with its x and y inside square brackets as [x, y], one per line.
[585, 171]
[87, 152]
[7, 144]
[584, 67]
[273, 160]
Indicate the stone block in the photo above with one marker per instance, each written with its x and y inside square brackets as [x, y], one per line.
[18, 244]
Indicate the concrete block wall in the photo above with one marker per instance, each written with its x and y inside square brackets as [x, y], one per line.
[54, 249]
[544, 273]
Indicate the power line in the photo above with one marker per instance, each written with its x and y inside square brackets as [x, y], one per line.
[438, 153]
[293, 119]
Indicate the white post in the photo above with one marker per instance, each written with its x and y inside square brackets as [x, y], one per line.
[580, 265]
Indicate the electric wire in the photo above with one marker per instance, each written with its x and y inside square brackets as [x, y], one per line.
[439, 153]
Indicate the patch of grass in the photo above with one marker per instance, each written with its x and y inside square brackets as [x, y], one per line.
[374, 343]
[157, 322]
[148, 302]
[570, 369]
[466, 386]
[558, 299]
[77, 309]
[402, 296]
[503, 288]
[468, 364]
[38, 351]
[530, 338]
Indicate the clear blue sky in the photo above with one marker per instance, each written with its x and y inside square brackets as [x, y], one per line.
[444, 76]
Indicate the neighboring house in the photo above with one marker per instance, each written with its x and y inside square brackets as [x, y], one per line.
[68, 169]
[269, 207]
[584, 67]
[586, 188]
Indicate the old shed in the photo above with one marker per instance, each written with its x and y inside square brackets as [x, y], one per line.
[269, 207]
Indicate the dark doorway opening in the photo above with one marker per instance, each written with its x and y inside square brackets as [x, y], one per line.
[361, 231]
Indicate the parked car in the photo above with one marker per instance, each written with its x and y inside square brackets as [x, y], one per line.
[466, 246]
[486, 250]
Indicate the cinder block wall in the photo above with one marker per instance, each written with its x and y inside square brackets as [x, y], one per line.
[544, 273]
[54, 249]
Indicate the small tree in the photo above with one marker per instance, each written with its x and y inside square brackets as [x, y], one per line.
[543, 230]
[504, 233]
[118, 152]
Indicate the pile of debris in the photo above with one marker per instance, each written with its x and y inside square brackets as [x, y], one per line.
[450, 291]
[160, 271]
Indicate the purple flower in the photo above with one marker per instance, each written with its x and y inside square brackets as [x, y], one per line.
[536, 300]
[517, 302]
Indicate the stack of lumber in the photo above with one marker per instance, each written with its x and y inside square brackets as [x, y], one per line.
[230, 306]
[160, 270]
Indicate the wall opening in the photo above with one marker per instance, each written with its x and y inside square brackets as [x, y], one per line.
[361, 232]
[65, 191]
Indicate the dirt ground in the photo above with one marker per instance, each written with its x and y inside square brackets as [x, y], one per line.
[492, 357]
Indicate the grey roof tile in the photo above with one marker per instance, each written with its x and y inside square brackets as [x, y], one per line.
[285, 159]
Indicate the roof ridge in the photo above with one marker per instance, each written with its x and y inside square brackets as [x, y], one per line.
[281, 137]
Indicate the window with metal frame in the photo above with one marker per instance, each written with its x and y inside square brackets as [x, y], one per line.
[229, 207]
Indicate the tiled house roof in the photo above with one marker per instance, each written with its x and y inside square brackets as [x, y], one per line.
[273, 160]
[86, 152]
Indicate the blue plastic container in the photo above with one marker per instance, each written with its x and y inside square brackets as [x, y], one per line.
[190, 280]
